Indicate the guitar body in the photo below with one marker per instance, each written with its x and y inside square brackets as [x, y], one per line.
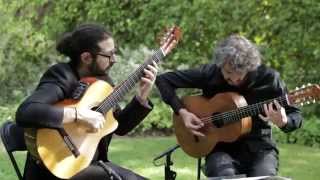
[203, 107]
[52, 149]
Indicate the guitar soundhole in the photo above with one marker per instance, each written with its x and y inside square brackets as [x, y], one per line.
[196, 139]
[217, 122]
[96, 109]
[100, 110]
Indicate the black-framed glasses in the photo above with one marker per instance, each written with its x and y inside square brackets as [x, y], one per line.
[110, 55]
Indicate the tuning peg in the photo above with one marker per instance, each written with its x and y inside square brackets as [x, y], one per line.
[303, 86]
[297, 88]
[309, 84]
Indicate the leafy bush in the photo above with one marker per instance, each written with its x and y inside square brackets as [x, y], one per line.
[158, 122]
[24, 52]
[286, 31]
[309, 134]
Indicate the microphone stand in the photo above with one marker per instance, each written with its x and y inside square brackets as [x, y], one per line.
[168, 173]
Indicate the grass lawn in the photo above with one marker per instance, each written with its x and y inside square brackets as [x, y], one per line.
[296, 162]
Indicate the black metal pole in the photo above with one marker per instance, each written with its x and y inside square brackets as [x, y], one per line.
[199, 169]
[168, 173]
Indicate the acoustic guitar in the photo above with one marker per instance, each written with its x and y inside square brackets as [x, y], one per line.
[234, 111]
[67, 151]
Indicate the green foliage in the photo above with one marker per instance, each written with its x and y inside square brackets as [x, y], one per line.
[23, 54]
[7, 113]
[128, 61]
[159, 121]
[308, 135]
[285, 30]
[160, 117]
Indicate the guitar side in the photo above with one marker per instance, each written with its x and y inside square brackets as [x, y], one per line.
[53, 151]
[203, 107]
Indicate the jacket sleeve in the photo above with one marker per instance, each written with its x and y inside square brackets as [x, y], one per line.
[294, 119]
[131, 116]
[293, 113]
[37, 110]
[167, 84]
[275, 86]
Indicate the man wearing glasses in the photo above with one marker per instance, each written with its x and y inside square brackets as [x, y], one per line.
[91, 50]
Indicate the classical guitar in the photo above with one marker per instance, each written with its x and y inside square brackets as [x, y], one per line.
[232, 108]
[67, 151]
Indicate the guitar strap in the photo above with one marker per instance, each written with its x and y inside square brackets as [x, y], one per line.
[80, 90]
[111, 173]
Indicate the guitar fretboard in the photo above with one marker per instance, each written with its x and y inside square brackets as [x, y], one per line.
[246, 111]
[127, 85]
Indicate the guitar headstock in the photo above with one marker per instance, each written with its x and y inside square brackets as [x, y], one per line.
[170, 39]
[305, 95]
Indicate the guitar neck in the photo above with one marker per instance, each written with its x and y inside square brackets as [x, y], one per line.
[246, 111]
[128, 84]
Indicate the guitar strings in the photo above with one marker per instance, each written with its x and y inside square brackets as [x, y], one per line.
[229, 115]
[128, 84]
[119, 91]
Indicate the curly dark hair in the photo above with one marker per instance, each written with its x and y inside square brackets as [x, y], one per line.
[239, 52]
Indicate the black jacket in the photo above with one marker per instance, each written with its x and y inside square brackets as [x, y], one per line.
[260, 85]
[58, 83]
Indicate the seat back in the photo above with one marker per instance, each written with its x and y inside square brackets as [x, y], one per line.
[13, 140]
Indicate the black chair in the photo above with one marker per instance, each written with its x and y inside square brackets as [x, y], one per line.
[13, 140]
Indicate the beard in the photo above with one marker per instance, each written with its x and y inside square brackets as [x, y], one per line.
[96, 71]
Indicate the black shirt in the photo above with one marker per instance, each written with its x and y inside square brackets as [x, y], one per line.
[259, 85]
[57, 84]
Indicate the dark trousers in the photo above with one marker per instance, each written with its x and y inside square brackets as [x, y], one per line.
[233, 160]
[35, 171]
[95, 171]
